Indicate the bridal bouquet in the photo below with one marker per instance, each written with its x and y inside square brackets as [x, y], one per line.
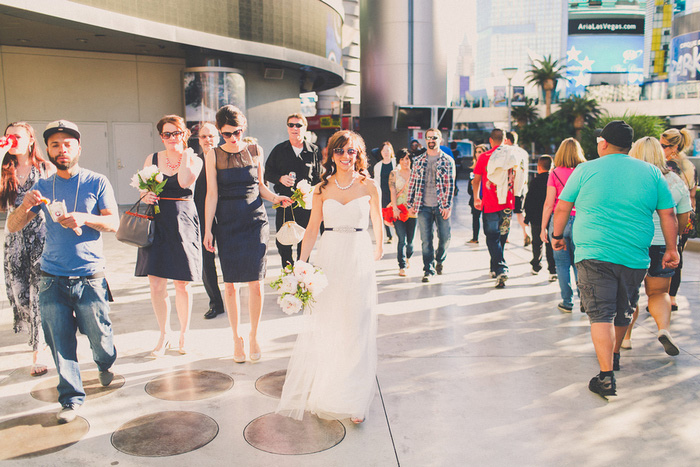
[149, 178]
[300, 285]
[302, 196]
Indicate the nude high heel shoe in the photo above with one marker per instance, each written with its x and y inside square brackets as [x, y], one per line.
[255, 353]
[239, 352]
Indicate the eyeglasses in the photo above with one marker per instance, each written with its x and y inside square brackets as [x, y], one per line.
[295, 125]
[229, 134]
[666, 146]
[599, 139]
[171, 134]
[341, 151]
[431, 138]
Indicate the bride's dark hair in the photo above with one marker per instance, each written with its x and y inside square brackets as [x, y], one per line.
[339, 140]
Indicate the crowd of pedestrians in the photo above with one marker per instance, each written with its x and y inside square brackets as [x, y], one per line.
[603, 227]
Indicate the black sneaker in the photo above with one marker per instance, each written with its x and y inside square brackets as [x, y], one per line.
[426, 278]
[669, 346]
[603, 387]
[501, 280]
[438, 269]
[616, 362]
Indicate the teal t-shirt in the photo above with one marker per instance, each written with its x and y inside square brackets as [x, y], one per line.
[615, 198]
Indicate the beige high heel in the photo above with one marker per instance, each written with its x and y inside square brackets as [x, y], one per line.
[254, 354]
[239, 357]
[159, 350]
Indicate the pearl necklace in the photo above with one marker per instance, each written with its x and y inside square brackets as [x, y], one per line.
[354, 176]
[173, 167]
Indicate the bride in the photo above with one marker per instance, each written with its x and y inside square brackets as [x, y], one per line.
[332, 369]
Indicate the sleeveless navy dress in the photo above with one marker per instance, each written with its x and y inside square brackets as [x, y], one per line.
[176, 250]
[241, 230]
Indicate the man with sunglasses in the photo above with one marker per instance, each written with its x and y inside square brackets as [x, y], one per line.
[208, 137]
[289, 163]
[430, 190]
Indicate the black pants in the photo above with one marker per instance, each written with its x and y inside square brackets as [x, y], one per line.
[301, 216]
[210, 277]
[676, 279]
[536, 262]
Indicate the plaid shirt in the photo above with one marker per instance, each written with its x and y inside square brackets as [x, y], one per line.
[445, 181]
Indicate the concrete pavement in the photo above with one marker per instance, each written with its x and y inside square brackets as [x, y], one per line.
[468, 374]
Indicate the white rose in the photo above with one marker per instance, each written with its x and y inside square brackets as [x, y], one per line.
[302, 270]
[159, 177]
[148, 172]
[289, 284]
[290, 304]
[305, 187]
[317, 282]
[135, 182]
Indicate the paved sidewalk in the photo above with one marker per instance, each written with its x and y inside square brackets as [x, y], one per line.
[468, 374]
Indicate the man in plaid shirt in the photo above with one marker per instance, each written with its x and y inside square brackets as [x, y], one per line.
[430, 191]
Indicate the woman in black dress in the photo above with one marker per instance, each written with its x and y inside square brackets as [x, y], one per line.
[235, 189]
[175, 253]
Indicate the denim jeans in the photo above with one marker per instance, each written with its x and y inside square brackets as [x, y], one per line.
[59, 299]
[405, 231]
[564, 260]
[496, 229]
[427, 216]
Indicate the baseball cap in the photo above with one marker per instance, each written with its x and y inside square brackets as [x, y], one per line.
[618, 133]
[61, 126]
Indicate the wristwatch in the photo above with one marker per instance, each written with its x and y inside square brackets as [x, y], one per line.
[558, 237]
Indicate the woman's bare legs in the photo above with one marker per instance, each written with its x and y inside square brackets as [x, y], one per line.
[232, 305]
[255, 304]
[183, 306]
[161, 308]
[659, 300]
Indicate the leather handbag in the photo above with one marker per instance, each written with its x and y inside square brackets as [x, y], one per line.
[136, 229]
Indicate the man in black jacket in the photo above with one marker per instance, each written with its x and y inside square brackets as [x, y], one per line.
[534, 201]
[289, 163]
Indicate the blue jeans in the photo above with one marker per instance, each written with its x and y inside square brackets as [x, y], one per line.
[405, 231]
[427, 216]
[496, 229]
[564, 260]
[59, 299]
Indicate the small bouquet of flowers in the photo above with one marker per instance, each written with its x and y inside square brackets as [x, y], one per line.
[302, 196]
[299, 284]
[150, 179]
[388, 214]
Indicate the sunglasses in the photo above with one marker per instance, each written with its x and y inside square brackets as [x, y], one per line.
[295, 125]
[431, 138]
[341, 151]
[229, 134]
[666, 146]
[171, 134]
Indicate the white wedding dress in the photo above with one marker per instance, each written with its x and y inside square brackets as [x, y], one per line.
[333, 365]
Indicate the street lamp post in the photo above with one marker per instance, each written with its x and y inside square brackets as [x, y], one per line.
[509, 73]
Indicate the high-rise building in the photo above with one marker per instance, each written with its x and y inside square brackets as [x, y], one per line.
[511, 33]
[657, 37]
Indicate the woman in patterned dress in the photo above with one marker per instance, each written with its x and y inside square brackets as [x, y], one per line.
[22, 165]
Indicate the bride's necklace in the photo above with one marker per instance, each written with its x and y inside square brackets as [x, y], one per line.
[354, 176]
[172, 166]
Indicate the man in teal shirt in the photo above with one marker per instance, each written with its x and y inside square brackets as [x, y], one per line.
[615, 198]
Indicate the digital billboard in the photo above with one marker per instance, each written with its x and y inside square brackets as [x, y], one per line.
[603, 53]
[685, 58]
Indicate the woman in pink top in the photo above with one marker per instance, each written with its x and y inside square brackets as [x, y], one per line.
[568, 156]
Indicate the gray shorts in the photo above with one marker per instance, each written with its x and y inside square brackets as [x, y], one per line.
[609, 292]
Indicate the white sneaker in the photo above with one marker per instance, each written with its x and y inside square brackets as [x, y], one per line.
[552, 278]
[68, 413]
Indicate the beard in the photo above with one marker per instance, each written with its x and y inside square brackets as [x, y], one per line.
[432, 145]
[60, 166]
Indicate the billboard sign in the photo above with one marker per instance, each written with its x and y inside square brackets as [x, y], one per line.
[634, 26]
[685, 58]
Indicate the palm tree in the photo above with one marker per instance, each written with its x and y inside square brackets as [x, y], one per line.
[581, 111]
[544, 73]
[524, 114]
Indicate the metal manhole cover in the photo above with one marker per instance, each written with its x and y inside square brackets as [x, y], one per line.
[46, 390]
[283, 435]
[38, 435]
[189, 385]
[271, 383]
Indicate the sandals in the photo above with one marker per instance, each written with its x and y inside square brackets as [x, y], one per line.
[39, 369]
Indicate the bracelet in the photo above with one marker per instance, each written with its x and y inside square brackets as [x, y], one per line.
[558, 237]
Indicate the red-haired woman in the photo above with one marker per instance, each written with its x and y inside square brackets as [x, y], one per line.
[176, 250]
[333, 365]
[22, 165]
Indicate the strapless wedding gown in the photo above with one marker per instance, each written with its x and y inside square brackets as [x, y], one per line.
[333, 365]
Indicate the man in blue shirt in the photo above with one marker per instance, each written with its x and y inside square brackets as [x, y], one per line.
[73, 294]
[615, 197]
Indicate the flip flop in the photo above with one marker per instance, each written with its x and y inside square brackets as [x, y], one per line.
[39, 370]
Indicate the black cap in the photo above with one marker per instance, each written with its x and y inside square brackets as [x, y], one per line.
[61, 126]
[618, 133]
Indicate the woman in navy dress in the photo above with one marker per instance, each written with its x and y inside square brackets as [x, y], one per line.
[235, 190]
[176, 250]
